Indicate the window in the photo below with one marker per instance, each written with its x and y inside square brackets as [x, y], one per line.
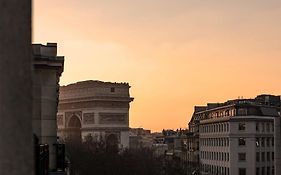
[112, 89]
[263, 156]
[257, 142]
[267, 127]
[268, 156]
[257, 156]
[272, 156]
[242, 112]
[241, 126]
[257, 126]
[241, 156]
[242, 171]
[262, 142]
[257, 171]
[227, 113]
[241, 142]
[263, 171]
[267, 142]
[268, 170]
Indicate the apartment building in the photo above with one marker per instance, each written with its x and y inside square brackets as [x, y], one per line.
[237, 137]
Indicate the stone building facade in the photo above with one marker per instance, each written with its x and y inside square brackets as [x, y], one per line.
[95, 108]
[16, 88]
[48, 68]
[237, 137]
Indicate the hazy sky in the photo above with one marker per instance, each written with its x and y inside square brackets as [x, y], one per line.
[174, 53]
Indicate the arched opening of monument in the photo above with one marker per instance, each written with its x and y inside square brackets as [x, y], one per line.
[112, 143]
[74, 129]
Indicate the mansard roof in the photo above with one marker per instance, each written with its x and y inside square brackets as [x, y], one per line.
[262, 105]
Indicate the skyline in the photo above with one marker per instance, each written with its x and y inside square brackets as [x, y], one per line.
[175, 55]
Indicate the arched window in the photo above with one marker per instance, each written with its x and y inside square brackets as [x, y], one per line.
[112, 143]
[74, 122]
[73, 130]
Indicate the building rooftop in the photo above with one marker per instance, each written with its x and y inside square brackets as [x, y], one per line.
[262, 105]
[93, 83]
[46, 52]
[95, 90]
[45, 56]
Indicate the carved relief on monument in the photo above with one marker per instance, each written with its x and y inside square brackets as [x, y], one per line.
[89, 118]
[68, 115]
[113, 118]
[59, 120]
[91, 104]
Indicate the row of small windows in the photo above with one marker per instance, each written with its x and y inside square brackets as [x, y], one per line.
[224, 127]
[219, 170]
[259, 171]
[216, 114]
[260, 126]
[264, 156]
[265, 170]
[260, 156]
[265, 141]
[215, 142]
[218, 127]
[223, 156]
[260, 142]
[219, 156]
[265, 126]
[241, 171]
[225, 113]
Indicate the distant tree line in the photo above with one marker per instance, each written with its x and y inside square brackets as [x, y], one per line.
[95, 158]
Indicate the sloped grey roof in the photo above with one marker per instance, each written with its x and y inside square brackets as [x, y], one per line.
[269, 111]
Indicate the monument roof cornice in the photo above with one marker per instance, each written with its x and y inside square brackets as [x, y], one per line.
[97, 98]
[92, 84]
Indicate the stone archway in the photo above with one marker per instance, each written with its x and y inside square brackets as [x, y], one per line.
[112, 143]
[73, 129]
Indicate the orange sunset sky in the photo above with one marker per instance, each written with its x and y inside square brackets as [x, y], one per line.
[174, 53]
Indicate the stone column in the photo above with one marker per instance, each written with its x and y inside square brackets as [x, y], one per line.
[49, 102]
[16, 147]
[48, 68]
[277, 145]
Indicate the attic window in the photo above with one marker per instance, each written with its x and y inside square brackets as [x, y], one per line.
[112, 89]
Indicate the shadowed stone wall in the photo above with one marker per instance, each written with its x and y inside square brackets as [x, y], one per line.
[47, 71]
[16, 147]
[277, 123]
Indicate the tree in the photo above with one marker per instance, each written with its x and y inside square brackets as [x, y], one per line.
[93, 158]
